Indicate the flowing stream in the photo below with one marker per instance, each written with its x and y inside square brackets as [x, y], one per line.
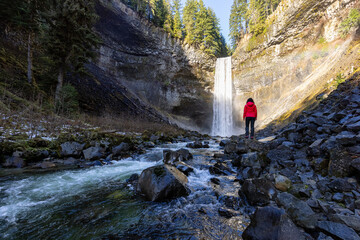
[97, 203]
[223, 103]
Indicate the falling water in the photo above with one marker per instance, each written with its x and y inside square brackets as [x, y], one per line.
[223, 115]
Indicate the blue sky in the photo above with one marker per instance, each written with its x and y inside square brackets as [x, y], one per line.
[222, 10]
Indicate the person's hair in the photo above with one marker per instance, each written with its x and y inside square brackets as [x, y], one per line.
[250, 100]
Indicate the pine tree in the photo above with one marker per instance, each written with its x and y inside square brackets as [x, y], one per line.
[169, 19]
[238, 20]
[190, 13]
[71, 37]
[160, 13]
[177, 29]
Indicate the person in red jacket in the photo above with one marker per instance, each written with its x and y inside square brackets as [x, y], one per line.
[250, 116]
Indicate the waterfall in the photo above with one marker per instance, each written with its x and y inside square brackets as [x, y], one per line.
[223, 106]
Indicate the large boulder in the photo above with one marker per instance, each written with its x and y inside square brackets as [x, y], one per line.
[346, 138]
[280, 155]
[72, 149]
[120, 149]
[337, 230]
[162, 183]
[93, 153]
[298, 210]
[171, 157]
[271, 223]
[234, 147]
[258, 191]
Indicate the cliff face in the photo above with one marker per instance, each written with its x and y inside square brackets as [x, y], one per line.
[141, 68]
[297, 58]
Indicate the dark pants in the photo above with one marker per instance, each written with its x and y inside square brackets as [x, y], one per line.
[250, 120]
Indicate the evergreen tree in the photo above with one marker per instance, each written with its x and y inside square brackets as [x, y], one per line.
[160, 13]
[238, 20]
[190, 13]
[177, 29]
[71, 38]
[169, 19]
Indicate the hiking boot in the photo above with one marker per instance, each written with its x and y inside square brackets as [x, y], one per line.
[246, 137]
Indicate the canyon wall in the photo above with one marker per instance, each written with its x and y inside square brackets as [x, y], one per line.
[142, 68]
[298, 57]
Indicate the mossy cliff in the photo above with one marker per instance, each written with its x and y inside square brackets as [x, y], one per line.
[302, 53]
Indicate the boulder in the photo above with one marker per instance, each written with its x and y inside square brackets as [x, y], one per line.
[351, 221]
[71, 149]
[340, 185]
[337, 230]
[171, 157]
[233, 147]
[271, 223]
[162, 183]
[299, 211]
[15, 161]
[120, 149]
[280, 154]
[346, 138]
[220, 169]
[93, 153]
[184, 168]
[339, 164]
[227, 213]
[258, 191]
[282, 183]
[197, 144]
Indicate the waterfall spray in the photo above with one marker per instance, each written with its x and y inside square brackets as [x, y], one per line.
[223, 106]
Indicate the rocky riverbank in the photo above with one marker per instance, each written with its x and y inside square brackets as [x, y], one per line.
[303, 181]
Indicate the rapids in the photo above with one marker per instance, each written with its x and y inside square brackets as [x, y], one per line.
[97, 203]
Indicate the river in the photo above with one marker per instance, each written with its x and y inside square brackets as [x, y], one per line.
[97, 203]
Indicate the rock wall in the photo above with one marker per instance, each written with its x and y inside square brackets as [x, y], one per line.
[296, 59]
[145, 66]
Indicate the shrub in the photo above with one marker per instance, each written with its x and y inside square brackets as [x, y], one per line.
[351, 21]
[339, 79]
[68, 103]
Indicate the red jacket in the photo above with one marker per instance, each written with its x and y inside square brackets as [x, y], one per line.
[250, 110]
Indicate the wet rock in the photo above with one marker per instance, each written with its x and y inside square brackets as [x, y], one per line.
[162, 183]
[232, 202]
[337, 230]
[258, 191]
[298, 210]
[320, 165]
[93, 153]
[227, 213]
[220, 169]
[95, 163]
[272, 224]
[70, 161]
[71, 149]
[120, 149]
[224, 142]
[149, 144]
[184, 168]
[250, 172]
[197, 144]
[133, 178]
[215, 181]
[282, 183]
[171, 157]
